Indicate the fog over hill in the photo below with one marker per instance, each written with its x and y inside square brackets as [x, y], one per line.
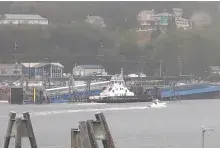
[68, 39]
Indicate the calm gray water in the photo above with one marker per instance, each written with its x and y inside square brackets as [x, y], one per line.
[132, 125]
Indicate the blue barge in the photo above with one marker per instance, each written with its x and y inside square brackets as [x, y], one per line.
[182, 92]
[191, 91]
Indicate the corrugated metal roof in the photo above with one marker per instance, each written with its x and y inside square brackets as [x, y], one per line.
[23, 17]
[90, 66]
[35, 65]
[29, 64]
[57, 64]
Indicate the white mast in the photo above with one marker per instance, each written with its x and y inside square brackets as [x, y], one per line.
[122, 72]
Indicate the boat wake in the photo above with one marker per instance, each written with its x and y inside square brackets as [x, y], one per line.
[46, 113]
[90, 104]
[159, 105]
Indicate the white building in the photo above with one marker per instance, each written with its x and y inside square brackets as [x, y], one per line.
[16, 19]
[183, 23]
[150, 20]
[96, 20]
[147, 21]
[86, 70]
[42, 70]
[10, 70]
[145, 15]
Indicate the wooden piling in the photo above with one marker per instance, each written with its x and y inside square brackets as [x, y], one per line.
[85, 137]
[91, 133]
[18, 136]
[108, 142]
[30, 131]
[98, 130]
[86, 143]
[75, 139]
[9, 129]
[19, 128]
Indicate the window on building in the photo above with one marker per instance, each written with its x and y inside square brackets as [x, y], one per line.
[56, 72]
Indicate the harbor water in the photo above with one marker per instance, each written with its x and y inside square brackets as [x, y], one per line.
[133, 125]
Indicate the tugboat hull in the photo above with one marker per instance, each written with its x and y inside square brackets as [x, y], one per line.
[122, 99]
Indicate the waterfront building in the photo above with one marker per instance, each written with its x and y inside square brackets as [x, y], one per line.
[43, 70]
[86, 70]
[10, 70]
[29, 19]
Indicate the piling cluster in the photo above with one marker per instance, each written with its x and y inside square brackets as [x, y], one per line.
[90, 131]
[19, 128]
[86, 135]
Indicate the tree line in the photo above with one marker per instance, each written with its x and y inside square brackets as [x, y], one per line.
[81, 43]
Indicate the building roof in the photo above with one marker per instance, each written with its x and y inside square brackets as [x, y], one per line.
[29, 64]
[147, 12]
[215, 68]
[23, 17]
[90, 66]
[36, 65]
[10, 64]
[182, 19]
[95, 17]
[163, 14]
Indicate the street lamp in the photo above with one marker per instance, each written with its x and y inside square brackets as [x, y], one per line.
[203, 135]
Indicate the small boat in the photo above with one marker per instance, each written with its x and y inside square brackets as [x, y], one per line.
[157, 104]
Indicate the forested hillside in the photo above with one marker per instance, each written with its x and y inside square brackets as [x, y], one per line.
[69, 40]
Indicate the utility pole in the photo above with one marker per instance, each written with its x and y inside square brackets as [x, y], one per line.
[142, 63]
[14, 51]
[180, 65]
[16, 69]
[70, 87]
[99, 65]
[161, 62]
[29, 72]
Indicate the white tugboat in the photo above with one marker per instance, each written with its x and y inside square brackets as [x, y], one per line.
[117, 92]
